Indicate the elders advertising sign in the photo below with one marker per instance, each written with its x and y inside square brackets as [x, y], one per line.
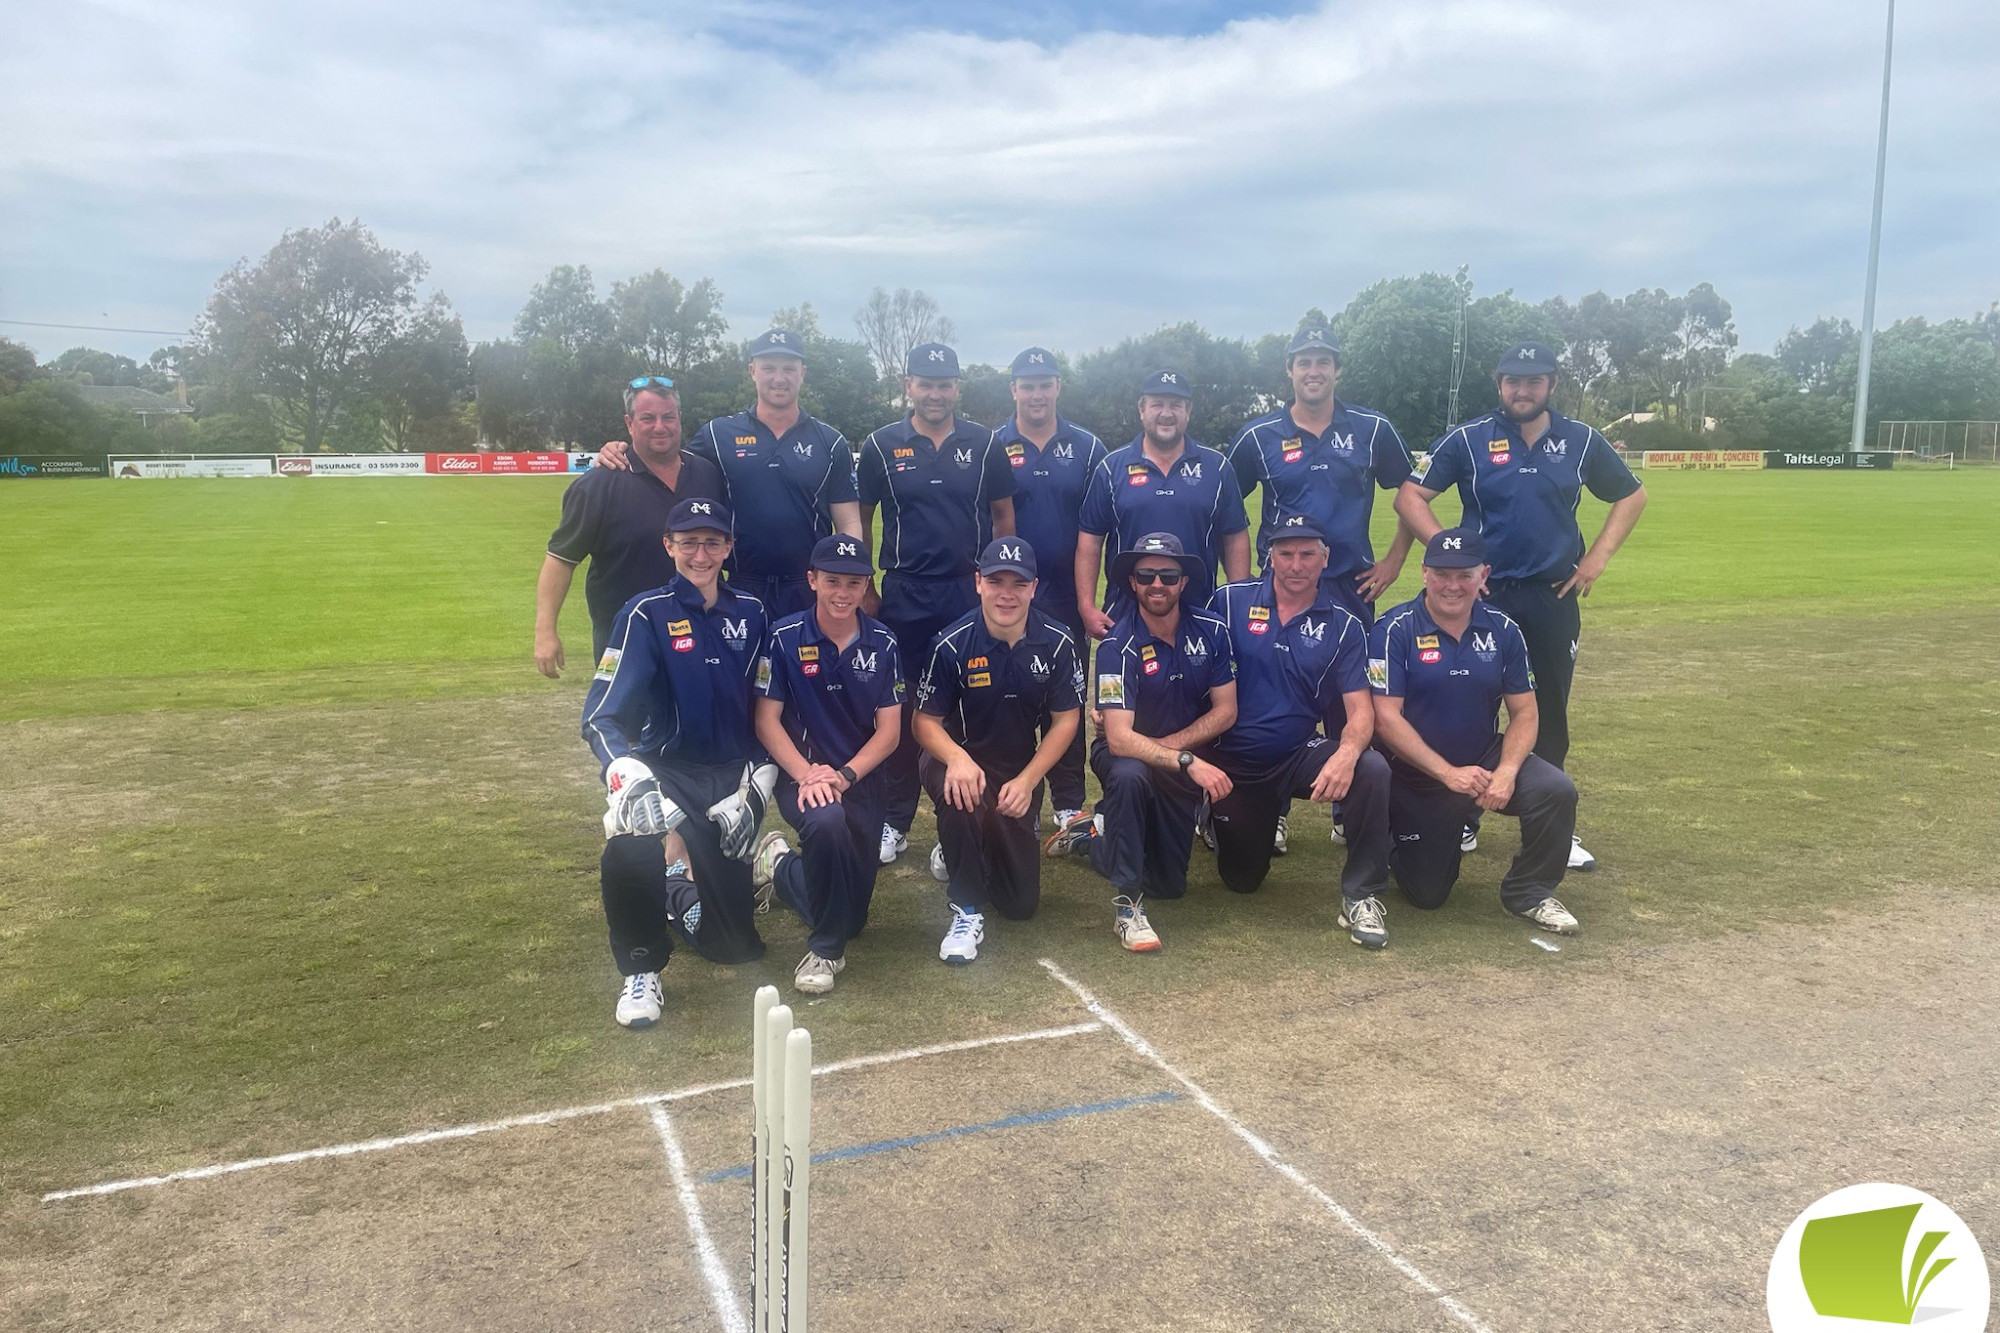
[495, 465]
[352, 465]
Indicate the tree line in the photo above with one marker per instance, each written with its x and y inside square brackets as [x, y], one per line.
[330, 343]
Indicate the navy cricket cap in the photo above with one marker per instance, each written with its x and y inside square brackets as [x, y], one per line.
[1153, 544]
[1008, 555]
[932, 361]
[1035, 363]
[1455, 548]
[1314, 338]
[1527, 359]
[701, 516]
[774, 342]
[1166, 384]
[1296, 525]
[840, 554]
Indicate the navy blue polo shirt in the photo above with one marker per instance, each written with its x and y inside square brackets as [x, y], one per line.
[1324, 476]
[779, 487]
[675, 682]
[1450, 688]
[617, 519]
[935, 503]
[991, 696]
[1048, 496]
[1163, 683]
[1196, 498]
[1522, 497]
[1290, 675]
[831, 694]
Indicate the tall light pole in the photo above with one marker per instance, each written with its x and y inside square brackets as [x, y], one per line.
[1874, 245]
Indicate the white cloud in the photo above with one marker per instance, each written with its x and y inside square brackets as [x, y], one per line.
[1068, 194]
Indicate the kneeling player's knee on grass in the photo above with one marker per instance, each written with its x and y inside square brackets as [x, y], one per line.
[1429, 894]
[630, 856]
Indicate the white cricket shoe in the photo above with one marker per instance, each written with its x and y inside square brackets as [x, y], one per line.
[1468, 841]
[1362, 919]
[894, 844]
[1551, 915]
[1339, 833]
[815, 975]
[771, 848]
[1579, 859]
[1072, 836]
[938, 870]
[1134, 931]
[961, 943]
[1065, 816]
[1281, 841]
[639, 1000]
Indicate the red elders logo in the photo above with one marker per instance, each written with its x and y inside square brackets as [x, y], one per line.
[1430, 656]
[295, 467]
[684, 644]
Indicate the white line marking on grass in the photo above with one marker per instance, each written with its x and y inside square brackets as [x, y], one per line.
[549, 1117]
[712, 1270]
[1264, 1150]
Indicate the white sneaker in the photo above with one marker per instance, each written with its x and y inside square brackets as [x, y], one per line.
[894, 844]
[1579, 859]
[1072, 836]
[815, 974]
[1468, 841]
[1339, 834]
[1281, 841]
[961, 943]
[1362, 920]
[771, 848]
[1065, 816]
[1551, 915]
[1134, 931]
[639, 1000]
[938, 871]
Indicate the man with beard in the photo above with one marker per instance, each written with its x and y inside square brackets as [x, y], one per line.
[1163, 481]
[941, 483]
[1520, 473]
[615, 518]
[1166, 685]
[1053, 459]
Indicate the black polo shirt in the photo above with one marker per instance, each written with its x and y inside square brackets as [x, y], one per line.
[935, 503]
[617, 519]
[675, 681]
[781, 488]
[1451, 688]
[1163, 683]
[831, 694]
[990, 696]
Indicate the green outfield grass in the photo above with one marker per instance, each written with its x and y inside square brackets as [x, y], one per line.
[295, 846]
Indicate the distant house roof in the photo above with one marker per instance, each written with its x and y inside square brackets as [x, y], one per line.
[125, 398]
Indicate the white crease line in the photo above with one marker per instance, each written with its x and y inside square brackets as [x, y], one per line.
[712, 1270]
[1264, 1150]
[549, 1117]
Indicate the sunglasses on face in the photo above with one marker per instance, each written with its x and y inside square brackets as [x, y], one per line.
[651, 381]
[1166, 577]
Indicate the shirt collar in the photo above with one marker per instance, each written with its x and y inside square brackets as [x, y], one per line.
[689, 596]
[1011, 432]
[906, 430]
[1267, 596]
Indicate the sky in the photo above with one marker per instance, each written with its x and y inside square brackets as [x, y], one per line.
[1065, 175]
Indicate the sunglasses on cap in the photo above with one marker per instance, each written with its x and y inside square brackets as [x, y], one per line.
[649, 381]
[1168, 577]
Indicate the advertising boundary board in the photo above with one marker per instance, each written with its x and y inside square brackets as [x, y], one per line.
[1701, 460]
[502, 464]
[351, 465]
[154, 469]
[1863, 462]
[25, 467]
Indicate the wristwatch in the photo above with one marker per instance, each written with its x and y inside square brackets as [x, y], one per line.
[1186, 758]
[847, 775]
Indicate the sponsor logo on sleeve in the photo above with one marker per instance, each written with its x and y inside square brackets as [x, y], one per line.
[763, 675]
[1420, 466]
[607, 665]
[1110, 691]
[1378, 674]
